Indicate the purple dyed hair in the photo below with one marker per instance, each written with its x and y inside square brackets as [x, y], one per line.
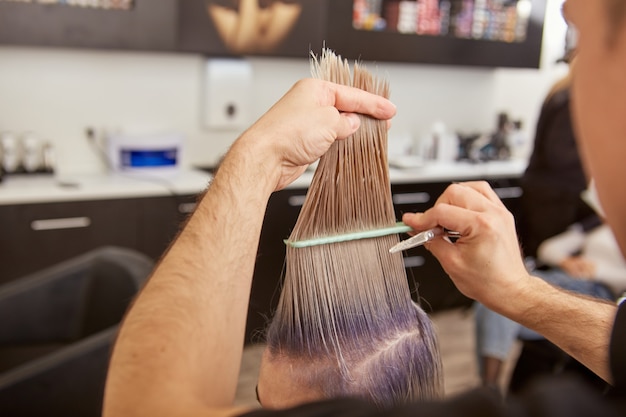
[373, 343]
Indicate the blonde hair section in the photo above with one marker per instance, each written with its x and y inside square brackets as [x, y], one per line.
[347, 306]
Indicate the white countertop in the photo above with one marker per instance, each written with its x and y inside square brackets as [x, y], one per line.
[22, 189]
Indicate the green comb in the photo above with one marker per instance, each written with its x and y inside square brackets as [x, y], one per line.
[367, 234]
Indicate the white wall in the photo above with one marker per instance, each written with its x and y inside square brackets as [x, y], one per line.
[57, 93]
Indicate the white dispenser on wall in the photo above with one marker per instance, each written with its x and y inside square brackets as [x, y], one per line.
[226, 93]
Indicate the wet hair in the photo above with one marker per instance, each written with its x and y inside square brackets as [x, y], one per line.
[343, 352]
[345, 319]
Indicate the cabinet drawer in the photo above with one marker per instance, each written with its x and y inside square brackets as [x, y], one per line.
[34, 236]
[430, 286]
[415, 197]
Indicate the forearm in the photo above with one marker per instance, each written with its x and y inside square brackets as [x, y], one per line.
[579, 325]
[180, 345]
[485, 264]
[179, 348]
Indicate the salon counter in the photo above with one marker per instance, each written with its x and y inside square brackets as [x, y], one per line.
[404, 170]
[45, 188]
[45, 220]
[26, 189]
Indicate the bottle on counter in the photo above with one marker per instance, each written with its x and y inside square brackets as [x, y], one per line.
[11, 150]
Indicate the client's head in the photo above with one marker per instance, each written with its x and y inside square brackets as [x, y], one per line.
[350, 337]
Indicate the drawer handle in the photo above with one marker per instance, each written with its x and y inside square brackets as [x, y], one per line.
[296, 200]
[186, 208]
[58, 224]
[414, 261]
[411, 198]
[508, 192]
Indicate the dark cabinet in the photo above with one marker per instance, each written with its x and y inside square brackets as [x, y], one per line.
[429, 284]
[160, 220]
[34, 236]
[280, 217]
[39, 235]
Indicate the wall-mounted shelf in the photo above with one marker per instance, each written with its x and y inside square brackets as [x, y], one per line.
[488, 33]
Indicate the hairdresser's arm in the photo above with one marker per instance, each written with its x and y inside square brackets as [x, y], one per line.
[486, 265]
[180, 346]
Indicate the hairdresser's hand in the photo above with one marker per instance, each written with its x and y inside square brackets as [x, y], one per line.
[305, 122]
[485, 263]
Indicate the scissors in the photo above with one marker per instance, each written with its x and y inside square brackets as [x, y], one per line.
[423, 237]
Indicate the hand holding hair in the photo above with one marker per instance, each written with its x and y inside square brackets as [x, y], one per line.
[303, 124]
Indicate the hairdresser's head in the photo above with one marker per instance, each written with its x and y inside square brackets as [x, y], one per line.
[397, 362]
[599, 100]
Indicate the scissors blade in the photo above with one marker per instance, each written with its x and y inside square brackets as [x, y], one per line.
[417, 240]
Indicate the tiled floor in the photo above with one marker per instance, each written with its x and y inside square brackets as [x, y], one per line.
[456, 339]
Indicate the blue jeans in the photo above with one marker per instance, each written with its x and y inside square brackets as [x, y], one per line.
[495, 334]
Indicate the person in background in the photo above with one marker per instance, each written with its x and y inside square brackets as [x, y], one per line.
[585, 259]
[180, 345]
[587, 255]
[554, 177]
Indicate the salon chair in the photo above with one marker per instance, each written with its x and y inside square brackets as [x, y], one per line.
[57, 328]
